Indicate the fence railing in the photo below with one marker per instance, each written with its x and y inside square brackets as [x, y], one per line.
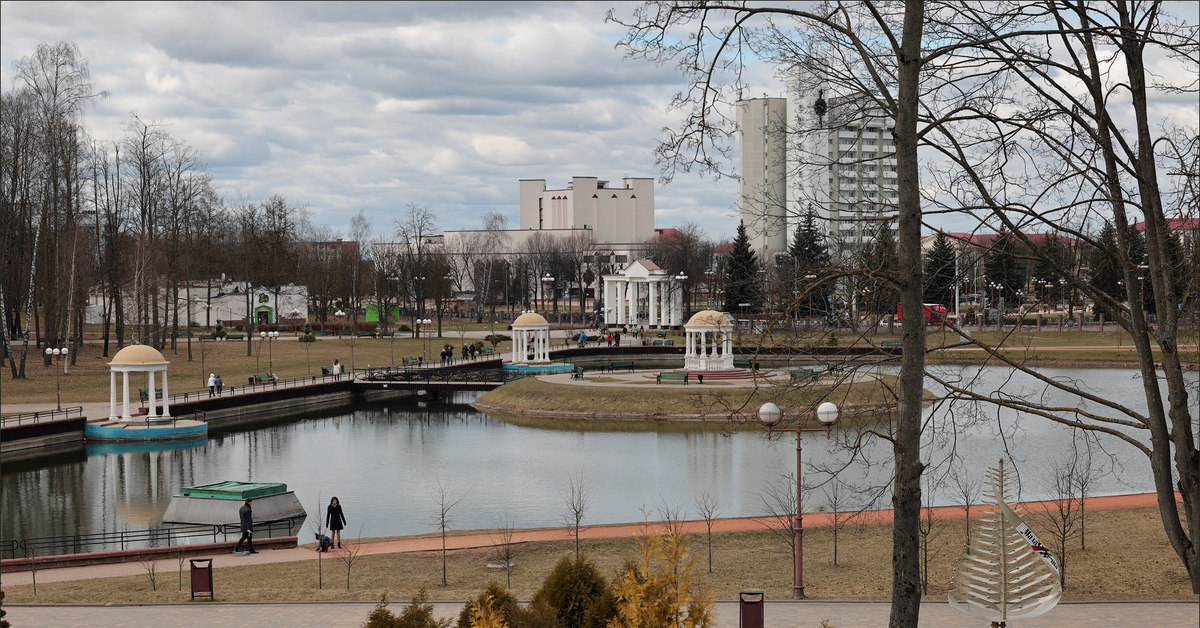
[442, 375]
[42, 415]
[165, 536]
[260, 386]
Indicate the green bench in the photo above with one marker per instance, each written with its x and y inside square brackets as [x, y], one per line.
[263, 378]
[671, 376]
[744, 364]
[620, 364]
[409, 360]
[661, 334]
[659, 342]
[208, 336]
[804, 374]
[834, 367]
[577, 372]
[486, 350]
[365, 334]
[144, 393]
[320, 332]
[234, 336]
[327, 370]
[387, 334]
[891, 343]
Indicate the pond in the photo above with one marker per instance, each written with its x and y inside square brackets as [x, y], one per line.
[388, 462]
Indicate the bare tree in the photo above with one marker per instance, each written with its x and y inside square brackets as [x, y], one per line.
[446, 502]
[504, 550]
[967, 490]
[779, 500]
[839, 497]
[576, 502]
[706, 504]
[926, 528]
[1062, 513]
[151, 569]
[181, 558]
[351, 554]
[318, 524]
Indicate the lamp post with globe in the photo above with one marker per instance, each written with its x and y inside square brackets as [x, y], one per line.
[58, 355]
[770, 415]
[269, 337]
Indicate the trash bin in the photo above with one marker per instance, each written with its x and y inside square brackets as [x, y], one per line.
[750, 609]
[202, 580]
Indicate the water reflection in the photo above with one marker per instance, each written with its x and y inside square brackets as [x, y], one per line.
[385, 463]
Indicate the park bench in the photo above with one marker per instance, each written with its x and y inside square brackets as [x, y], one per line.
[486, 350]
[835, 367]
[234, 336]
[144, 393]
[409, 360]
[263, 378]
[327, 370]
[620, 364]
[671, 376]
[659, 342]
[744, 364]
[890, 343]
[661, 334]
[365, 334]
[387, 334]
[577, 372]
[804, 374]
[320, 332]
[208, 336]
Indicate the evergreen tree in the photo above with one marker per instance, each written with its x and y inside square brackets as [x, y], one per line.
[810, 257]
[879, 295]
[1004, 268]
[1046, 276]
[741, 274]
[1102, 258]
[940, 271]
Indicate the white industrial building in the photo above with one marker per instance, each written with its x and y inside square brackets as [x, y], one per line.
[204, 303]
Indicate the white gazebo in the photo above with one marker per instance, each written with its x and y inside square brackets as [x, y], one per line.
[662, 297]
[531, 339]
[709, 342]
[138, 359]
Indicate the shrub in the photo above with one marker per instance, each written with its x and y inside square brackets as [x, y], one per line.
[219, 332]
[492, 602]
[661, 590]
[496, 339]
[577, 593]
[418, 614]
[308, 338]
[404, 327]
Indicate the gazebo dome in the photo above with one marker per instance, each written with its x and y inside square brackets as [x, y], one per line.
[529, 319]
[138, 355]
[709, 318]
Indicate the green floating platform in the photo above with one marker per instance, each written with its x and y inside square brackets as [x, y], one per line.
[234, 490]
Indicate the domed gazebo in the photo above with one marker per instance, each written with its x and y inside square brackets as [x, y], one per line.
[709, 342]
[138, 359]
[531, 339]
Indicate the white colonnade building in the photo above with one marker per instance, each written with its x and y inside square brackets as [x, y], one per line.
[531, 339]
[709, 338]
[138, 359]
[643, 282]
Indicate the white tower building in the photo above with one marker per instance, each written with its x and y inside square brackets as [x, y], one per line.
[764, 173]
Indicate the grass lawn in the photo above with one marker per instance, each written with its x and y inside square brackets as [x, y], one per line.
[531, 396]
[88, 380]
[1107, 570]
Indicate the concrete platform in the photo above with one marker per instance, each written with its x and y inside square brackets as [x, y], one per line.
[134, 432]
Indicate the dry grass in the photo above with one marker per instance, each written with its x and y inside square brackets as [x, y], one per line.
[1111, 569]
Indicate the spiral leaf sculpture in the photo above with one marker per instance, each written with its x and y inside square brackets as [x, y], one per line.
[1009, 573]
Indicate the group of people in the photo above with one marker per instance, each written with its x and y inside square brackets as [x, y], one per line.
[335, 520]
[215, 384]
[469, 351]
[610, 336]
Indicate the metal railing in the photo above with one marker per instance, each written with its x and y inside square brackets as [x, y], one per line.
[165, 536]
[442, 375]
[42, 415]
[200, 395]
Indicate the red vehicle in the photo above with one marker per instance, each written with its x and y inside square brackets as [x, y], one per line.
[935, 313]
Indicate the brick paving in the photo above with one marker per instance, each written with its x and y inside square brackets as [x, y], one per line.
[778, 615]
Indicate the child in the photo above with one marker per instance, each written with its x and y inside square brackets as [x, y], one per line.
[324, 542]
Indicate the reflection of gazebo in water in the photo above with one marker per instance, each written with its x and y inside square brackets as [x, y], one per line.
[709, 342]
[531, 339]
[138, 359]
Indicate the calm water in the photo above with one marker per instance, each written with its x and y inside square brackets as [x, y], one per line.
[386, 463]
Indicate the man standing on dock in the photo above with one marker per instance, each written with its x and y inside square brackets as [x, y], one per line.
[246, 515]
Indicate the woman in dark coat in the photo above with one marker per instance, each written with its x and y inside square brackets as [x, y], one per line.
[335, 520]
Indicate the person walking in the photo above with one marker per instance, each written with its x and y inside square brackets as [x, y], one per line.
[220, 384]
[464, 352]
[212, 384]
[246, 518]
[335, 520]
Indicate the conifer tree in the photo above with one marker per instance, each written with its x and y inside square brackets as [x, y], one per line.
[811, 258]
[940, 271]
[741, 274]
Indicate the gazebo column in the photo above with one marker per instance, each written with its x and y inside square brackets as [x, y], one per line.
[653, 303]
[631, 317]
[153, 411]
[608, 298]
[112, 395]
[125, 397]
[728, 344]
[166, 396]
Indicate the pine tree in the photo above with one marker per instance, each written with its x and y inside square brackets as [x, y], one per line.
[741, 274]
[811, 259]
[1003, 267]
[940, 271]
[1106, 274]
[880, 296]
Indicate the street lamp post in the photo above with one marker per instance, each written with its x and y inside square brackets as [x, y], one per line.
[548, 283]
[686, 307]
[424, 322]
[269, 337]
[57, 355]
[770, 415]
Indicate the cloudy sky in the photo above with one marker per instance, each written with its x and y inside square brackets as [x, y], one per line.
[348, 106]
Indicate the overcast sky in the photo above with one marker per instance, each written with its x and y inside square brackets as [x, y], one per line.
[342, 106]
[348, 106]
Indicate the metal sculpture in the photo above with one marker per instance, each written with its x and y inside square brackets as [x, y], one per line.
[1009, 573]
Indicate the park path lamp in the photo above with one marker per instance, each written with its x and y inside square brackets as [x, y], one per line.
[809, 279]
[686, 307]
[60, 355]
[269, 337]
[548, 283]
[426, 323]
[770, 415]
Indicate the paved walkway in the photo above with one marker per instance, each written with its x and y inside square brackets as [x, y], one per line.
[777, 614]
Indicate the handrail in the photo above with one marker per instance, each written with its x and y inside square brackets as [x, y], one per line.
[202, 394]
[42, 415]
[164, 536]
